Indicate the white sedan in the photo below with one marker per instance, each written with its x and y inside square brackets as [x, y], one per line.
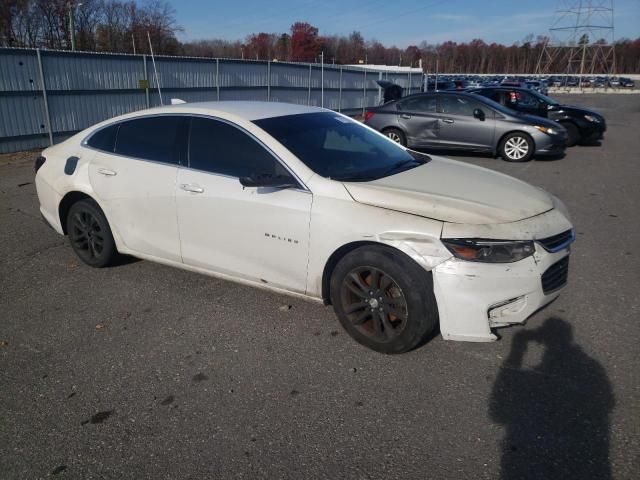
[307, 201]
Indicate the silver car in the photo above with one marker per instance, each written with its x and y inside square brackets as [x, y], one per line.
[463, 121]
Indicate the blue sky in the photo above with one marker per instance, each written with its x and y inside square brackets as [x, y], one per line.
[407, 22]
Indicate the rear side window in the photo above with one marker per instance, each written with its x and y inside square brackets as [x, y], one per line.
[104, 139]
[419, 104]
[218, 147]
[151, 138]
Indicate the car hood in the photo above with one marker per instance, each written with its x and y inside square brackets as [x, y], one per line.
[535, 120]
[454, 192]
[578, 111]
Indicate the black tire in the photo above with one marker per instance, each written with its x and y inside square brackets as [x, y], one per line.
[384, 299]
[573, 134]
[396, 135]
[517, 147]
[90, 235]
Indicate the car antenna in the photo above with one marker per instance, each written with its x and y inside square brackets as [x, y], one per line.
[155, 71]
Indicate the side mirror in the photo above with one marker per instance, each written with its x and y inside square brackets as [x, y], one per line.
[479, 114]
[268, 180]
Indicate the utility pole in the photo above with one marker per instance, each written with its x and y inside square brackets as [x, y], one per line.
[72, 23]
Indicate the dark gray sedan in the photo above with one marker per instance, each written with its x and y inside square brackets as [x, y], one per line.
[462, 121]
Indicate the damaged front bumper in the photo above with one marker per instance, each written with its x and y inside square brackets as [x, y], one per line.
[475, 297]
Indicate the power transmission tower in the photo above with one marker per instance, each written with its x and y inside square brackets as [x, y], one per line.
[580, 40]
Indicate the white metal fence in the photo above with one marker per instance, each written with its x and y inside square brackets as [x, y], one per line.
[47, 95]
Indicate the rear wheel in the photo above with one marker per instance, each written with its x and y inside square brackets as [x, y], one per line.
[396, 135]
[383, 299]
[517, 147]
[573, 134]
[90, 235]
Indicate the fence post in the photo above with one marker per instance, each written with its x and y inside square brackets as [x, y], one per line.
[364, 93]
[322, 82]
[309, 92]
[340, 92]
[146, 81]
[268, 80]
[218, 79]
[44, 97]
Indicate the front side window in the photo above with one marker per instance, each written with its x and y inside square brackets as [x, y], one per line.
[218, 147]
[458, 105]
[524, 99]
[151, 138]
[339, 148]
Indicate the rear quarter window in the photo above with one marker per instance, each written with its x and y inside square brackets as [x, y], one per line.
[104, 139]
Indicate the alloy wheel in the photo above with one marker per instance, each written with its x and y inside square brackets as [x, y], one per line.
[394, 136]
[516, 148]
[86, 234]
[374, 303]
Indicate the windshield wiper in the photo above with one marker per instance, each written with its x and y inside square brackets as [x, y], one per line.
[401, 164]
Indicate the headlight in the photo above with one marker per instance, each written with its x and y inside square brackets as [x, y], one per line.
[489, 251]
[591, 118]
[547, 130]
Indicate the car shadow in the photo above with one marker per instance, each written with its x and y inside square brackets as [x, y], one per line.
[590, 143]
[556, 413]
[124, 260]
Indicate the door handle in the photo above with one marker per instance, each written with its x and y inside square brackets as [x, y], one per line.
[405, 115]
[447, 120]
[106, 172]
[188, 187]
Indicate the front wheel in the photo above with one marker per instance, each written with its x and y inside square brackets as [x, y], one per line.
[517, 147]
[573, 134]
[383, 299]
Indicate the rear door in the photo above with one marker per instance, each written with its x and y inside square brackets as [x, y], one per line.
[135, 183]
[257, 233]
[418, 118]
[458, 128]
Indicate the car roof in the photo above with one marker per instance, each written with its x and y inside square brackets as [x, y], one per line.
[247, 110]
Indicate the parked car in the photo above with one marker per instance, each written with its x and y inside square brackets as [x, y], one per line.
[307, 201]
[463, 121]
[441, 85]
[582, 125]
[626, 82]
[538, 86]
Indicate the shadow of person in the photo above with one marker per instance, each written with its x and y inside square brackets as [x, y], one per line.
[556, 414]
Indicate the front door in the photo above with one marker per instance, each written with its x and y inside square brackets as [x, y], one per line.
[458, 128]
[257, 233]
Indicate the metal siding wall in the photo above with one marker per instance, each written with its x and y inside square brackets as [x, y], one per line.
[19, 71]
[64, 71]
[77, 112]
[247, 74]
[86, 88]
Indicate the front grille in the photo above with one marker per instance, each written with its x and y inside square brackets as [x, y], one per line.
[557, 242]
[556, 276]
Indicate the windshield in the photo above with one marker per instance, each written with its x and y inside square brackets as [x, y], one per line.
[544, 98]
[339, 148]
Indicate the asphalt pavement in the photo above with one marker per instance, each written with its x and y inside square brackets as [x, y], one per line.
[145, 371]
